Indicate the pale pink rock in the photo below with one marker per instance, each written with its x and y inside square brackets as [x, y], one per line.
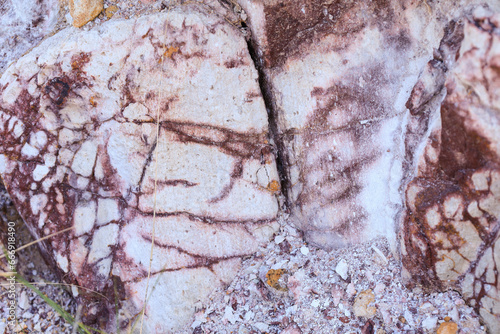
[351, 290]
[80, 148]
[337, 76]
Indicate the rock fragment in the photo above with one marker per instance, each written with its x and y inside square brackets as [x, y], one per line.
[447, 328]
[342, 269]
[23, 24]
[83, 11]
[429, 323]
[362, 303]
[110, 11]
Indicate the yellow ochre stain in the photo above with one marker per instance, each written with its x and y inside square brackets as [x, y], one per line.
[273, 186]
[273, 276]
[170, 51]
[93, 102]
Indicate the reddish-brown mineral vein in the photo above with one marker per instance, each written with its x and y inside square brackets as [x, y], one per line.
[452, 221]
[68, 171]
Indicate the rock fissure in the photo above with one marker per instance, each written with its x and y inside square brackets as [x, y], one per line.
[282, 160]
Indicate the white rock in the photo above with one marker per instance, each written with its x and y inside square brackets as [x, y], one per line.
[304, 250]
[342, 268]
[279, 239]
[23, 24]
[23, 301]
[409, 318]
[430, 323]
[96, 97]
[249, 315]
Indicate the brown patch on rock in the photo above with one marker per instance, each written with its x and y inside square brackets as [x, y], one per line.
[451, 224]
[293, 26]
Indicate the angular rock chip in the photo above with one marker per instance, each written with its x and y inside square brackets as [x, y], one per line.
[83, 11]
[158, 119]
[23, 24]
[338, 75]
[452, 223]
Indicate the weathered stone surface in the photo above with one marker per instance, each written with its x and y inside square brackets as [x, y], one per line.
[364, 112]
[83, 11]
[23, 24]
[451, 227]
[81, 147]
[339, 74]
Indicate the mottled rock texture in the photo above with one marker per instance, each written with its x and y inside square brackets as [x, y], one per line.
[368, 147]
[451, 226]
[158, 119]
[384, 116]
[23, 24]
[338, 75]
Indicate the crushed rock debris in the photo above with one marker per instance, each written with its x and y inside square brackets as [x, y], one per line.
[353, 290]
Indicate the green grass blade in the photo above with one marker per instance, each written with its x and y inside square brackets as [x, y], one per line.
[63, 313]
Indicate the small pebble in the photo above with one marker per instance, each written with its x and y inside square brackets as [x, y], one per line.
[342, 269]
[350, 289]
[379, 289]
[23, 301]
[454, 315]
[279, 239]
[362, 303]
[304, 250]
[447, 328]
[263, 327]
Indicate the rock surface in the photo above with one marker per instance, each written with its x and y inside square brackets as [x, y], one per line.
[23, 24]
[131, 124]
[339, 75]
[451, 229]
[384, 117]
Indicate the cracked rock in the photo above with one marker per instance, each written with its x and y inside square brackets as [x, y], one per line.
[340, 76]
[131, 124]
[450, 238]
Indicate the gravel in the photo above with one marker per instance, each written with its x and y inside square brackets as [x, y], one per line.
[354, 290]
